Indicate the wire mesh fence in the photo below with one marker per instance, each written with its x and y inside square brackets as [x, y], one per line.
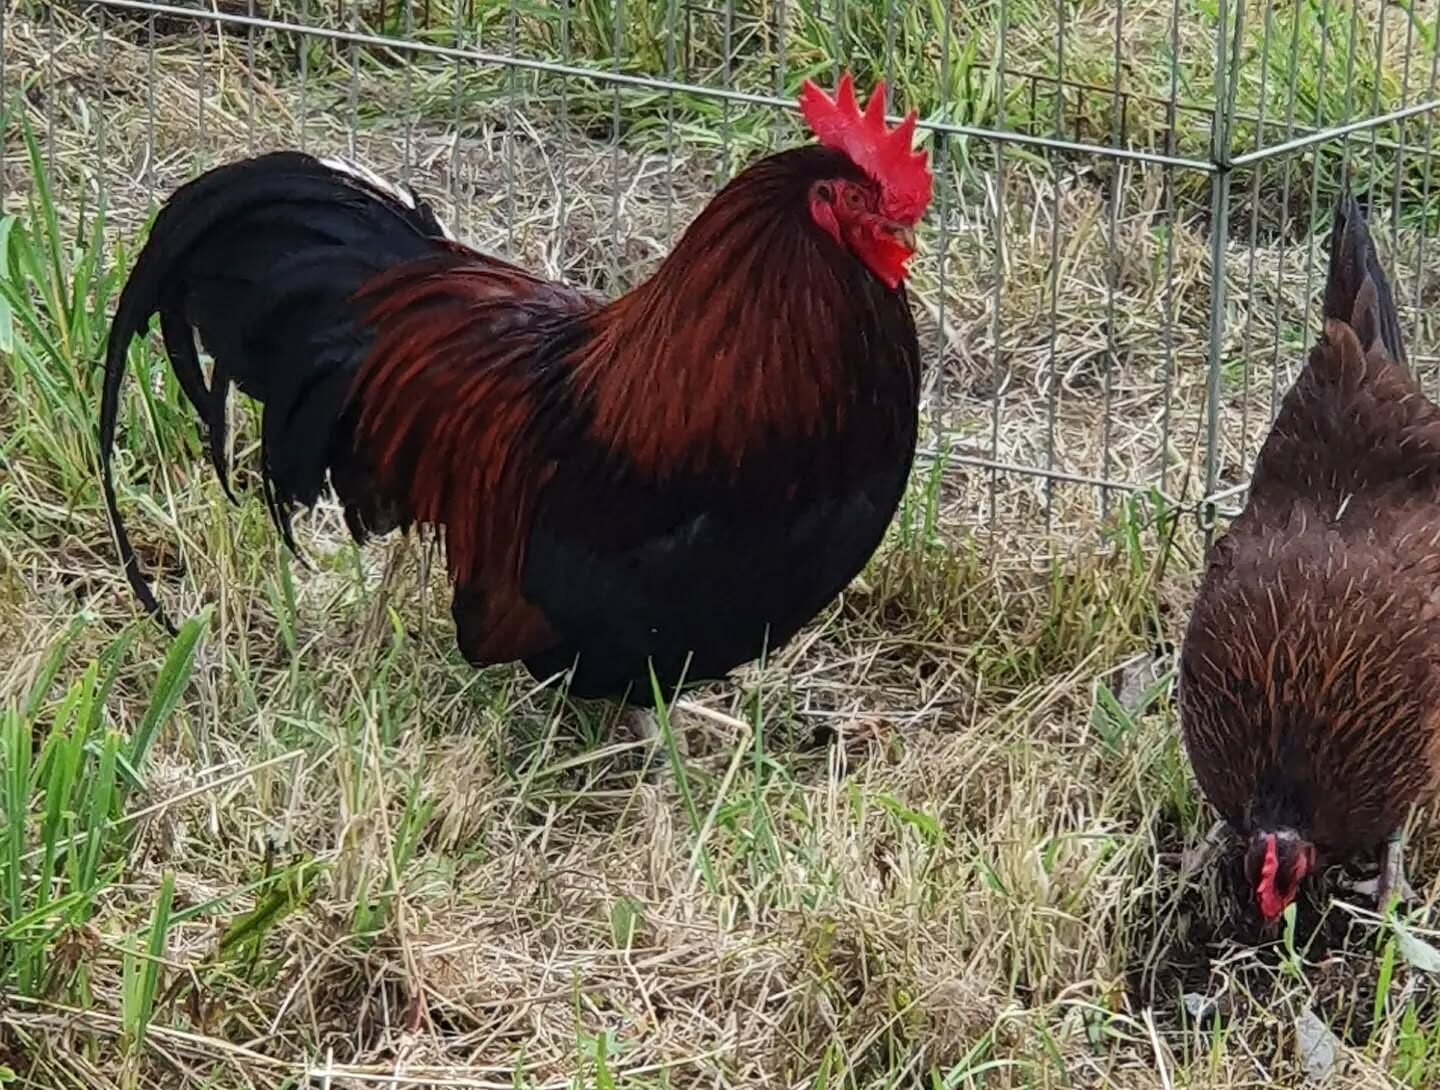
[1119, 271]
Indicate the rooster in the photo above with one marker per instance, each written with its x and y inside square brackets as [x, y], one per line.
[1310, 673]
[675, 481]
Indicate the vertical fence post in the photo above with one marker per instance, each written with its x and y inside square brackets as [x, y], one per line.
[4, 105]
[1220, 130]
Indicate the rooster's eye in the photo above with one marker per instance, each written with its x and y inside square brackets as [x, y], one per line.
[852, 199]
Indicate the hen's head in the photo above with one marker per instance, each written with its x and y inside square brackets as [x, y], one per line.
[1276, 862]
[872, 208]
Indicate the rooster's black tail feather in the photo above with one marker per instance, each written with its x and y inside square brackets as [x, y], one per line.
[262, 258]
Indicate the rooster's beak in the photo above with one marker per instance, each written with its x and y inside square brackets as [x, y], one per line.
[904, 235]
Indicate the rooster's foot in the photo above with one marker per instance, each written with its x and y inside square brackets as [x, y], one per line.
[644, 724]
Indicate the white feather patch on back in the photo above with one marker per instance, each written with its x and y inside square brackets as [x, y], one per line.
[369, 177]
[402, 194]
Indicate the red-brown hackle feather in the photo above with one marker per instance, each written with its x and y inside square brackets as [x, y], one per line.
[447, 411]
[732, 342]
[883, 153]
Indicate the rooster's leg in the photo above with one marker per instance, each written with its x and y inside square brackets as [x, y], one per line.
[644, 724]
[1391, 880]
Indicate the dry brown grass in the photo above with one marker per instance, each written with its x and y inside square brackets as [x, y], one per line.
[917, 850]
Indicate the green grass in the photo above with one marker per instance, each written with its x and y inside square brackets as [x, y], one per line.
[935, 843]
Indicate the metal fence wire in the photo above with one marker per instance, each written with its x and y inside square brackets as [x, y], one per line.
[1120, 268]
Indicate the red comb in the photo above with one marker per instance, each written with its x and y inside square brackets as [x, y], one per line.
[883, 153]
[1271, 904]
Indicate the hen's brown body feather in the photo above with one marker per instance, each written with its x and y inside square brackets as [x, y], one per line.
[1310, 673]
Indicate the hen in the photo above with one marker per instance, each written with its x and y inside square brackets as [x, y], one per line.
[1310, 673]
[681, 478]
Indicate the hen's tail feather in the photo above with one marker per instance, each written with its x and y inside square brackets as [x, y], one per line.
[1357, 290]
[262, 258]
